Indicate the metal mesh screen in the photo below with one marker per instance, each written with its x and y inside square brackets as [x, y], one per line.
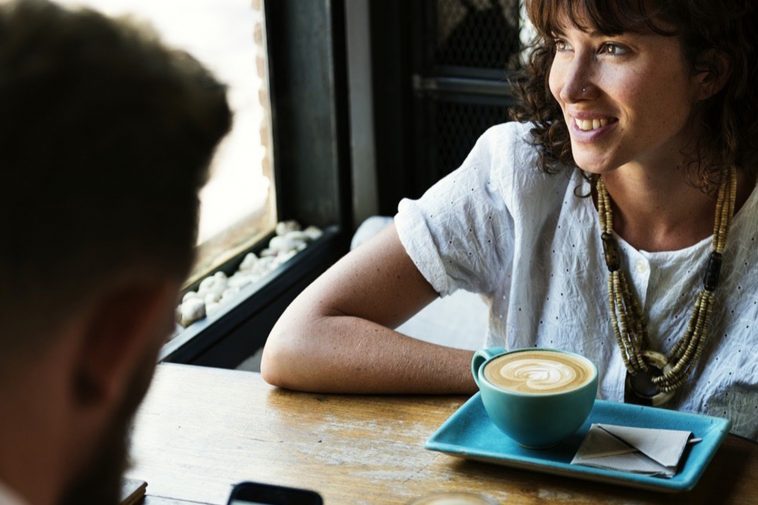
[463, 50]
[457, 126]
[476, 33]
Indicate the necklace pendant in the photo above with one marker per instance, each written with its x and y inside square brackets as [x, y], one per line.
[639, 387]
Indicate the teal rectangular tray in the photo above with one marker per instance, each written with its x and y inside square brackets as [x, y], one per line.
[470, 434]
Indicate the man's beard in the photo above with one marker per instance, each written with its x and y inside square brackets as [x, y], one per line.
[100, 481]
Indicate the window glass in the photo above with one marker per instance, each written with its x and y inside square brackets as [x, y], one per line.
[227, 36]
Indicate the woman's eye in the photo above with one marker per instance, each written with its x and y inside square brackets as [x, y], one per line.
[613, 49]
[561, 45]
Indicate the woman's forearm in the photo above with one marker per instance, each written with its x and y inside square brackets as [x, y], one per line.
[336, 336]
[345, 354]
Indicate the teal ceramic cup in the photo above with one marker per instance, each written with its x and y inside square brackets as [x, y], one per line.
[534, 419]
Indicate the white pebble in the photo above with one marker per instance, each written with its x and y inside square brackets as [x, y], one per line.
[189, 295]
[215, 282]
[313, 232]
[268, 252]
[285, 256]
[248, 261]
[297, 235]
[280, 244]
[283, 227]
[264, 265]
[212, 297]
[284, 244]
[191, 310]
[206, 285]
[240, 280]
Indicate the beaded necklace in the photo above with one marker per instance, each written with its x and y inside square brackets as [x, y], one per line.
[653, 378]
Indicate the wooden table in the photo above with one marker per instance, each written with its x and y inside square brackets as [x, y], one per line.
[202, 429]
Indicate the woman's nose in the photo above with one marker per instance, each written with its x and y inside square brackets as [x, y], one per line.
[578, 84]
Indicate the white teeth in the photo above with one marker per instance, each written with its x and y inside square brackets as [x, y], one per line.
[590, 124]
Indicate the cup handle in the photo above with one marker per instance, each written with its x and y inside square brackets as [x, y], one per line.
[480, 357]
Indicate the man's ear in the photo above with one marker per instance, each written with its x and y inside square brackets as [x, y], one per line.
[713, 72]
[122, 327]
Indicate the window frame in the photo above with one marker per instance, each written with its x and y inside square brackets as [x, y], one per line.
[311, 157]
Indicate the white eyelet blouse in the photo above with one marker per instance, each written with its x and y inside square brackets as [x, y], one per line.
[501, 227]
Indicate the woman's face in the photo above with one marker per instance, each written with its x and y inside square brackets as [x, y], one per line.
[626, 99]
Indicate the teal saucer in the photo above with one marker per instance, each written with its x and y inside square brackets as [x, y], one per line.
[469, 434]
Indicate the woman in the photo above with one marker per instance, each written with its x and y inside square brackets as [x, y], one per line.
[589, 228]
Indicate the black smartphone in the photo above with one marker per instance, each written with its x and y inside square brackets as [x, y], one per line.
[253, 493]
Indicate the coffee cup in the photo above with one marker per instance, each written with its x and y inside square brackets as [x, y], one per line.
[538, 397]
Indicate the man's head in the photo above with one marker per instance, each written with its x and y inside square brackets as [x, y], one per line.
[105, 140]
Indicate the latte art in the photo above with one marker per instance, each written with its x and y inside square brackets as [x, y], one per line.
[537, 372]
[537, 375]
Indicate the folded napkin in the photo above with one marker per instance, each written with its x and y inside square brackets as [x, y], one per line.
[639, 450]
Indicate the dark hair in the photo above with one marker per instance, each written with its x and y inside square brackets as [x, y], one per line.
[728, 120]
[105, 140]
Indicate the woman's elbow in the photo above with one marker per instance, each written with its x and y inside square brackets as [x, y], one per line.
[273, 362]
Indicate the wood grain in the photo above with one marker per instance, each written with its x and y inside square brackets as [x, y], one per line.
[201, 430]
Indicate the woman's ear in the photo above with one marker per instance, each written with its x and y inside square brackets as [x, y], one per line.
[713, 70]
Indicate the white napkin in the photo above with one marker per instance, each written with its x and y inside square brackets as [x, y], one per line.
[639, 450]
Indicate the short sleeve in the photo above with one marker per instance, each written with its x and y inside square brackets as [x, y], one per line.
[460, 233]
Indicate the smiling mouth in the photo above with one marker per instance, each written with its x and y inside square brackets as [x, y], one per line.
[592, 124]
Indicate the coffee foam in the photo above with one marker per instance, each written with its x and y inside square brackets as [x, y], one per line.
[538, 372]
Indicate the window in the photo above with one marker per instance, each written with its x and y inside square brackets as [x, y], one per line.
[227, 36]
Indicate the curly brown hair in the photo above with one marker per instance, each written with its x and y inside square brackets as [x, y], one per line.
[728, 121]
